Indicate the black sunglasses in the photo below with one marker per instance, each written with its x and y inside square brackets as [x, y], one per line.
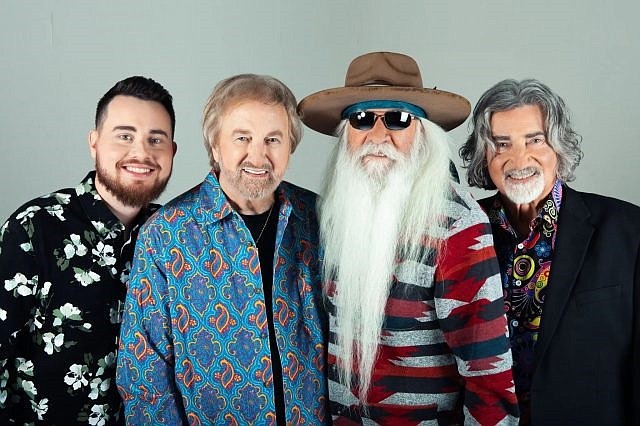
[392, 120]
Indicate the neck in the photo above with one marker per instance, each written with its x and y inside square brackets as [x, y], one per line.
[125, 214]
[252, 207]
[520, 215]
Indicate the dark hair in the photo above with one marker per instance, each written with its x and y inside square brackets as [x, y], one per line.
[510, 94]
[139, 87]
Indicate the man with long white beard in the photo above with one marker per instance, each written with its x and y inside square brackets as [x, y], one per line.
[570, 262]
[64, 265]
[417, 331]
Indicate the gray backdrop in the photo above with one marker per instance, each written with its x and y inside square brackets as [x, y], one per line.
[58, 57]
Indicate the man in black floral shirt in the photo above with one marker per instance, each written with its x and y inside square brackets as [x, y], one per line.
[64, 264]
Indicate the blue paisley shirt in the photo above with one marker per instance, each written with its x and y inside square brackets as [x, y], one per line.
[195, 339]
[525, 267]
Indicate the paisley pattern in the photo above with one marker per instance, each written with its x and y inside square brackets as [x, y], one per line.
[195, 340]
[64, 264]
[525, 266]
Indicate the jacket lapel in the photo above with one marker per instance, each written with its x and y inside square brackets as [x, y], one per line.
[572, 241]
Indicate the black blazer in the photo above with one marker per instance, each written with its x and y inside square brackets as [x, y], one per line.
[587, 368]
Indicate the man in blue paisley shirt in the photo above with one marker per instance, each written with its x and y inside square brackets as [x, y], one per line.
[224, 322]
[570, 262]
[64, 263]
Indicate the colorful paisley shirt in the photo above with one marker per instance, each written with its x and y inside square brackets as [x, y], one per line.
[444, 353]
[64, 263]
[195, 340]
[525, 266]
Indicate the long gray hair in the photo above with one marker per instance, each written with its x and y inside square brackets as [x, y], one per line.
[509, 94]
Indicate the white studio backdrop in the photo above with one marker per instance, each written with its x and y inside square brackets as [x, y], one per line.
[57, 58]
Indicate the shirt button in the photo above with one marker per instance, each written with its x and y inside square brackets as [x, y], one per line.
[520, 246]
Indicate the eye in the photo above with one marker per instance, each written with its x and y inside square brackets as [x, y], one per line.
[272, 140]
[501, 146]
[155, 141]
[125, 137]
[538, 140]
[243, 139]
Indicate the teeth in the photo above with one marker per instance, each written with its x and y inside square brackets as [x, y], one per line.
[138, 169]
[255, 172]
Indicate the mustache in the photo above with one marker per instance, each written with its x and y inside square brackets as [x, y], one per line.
[386, 149]
[522, 173]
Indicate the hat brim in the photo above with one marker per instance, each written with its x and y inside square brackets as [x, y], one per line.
[322, 111]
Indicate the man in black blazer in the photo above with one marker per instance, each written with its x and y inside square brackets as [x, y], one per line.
[570, 262]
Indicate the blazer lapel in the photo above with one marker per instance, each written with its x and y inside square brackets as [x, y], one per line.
[572, 241]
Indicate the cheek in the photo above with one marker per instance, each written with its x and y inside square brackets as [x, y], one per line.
[355, 138]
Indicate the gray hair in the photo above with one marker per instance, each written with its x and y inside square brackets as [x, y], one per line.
[510, 94]
[247, 87]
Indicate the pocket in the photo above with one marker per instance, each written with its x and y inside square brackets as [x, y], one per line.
[601, 294]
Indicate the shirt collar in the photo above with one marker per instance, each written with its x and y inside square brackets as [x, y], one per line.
[553, 200]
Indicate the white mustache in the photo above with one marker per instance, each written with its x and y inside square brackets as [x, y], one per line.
[385, 149]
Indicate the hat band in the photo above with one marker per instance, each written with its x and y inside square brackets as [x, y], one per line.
[384, 104]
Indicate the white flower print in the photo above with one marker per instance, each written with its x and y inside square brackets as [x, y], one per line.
[98, 416]
[21, 285]
[87, 325]
[62, 198]
[24, 366]
[3, 315]
[41, 407]
[104, 252]
[98, 387]
[4, 228]
[26, 247]
[66, 311]
[74, 247]
[44, 291]
[85, 277]
[55, 210]
[75, 377]
[105, 232]
[27, 214]
[52, 342]
[29, 387]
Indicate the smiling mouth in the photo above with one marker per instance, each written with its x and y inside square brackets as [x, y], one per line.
[138, 170]
[255, 172]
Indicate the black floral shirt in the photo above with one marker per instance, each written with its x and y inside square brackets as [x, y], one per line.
[64, 265]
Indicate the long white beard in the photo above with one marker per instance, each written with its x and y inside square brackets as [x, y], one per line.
[524, 193]
[368, 217]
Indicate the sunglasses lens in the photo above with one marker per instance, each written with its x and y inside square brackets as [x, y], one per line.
[397, 120]
[362, 120]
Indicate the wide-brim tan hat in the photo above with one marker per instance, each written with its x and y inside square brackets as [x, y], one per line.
[382, 76]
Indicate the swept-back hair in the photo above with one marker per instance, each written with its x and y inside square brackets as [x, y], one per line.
[247, 87]
[139, 87]
[509, 94]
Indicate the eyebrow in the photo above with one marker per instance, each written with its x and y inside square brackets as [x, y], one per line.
[507, 138]
[133, 129]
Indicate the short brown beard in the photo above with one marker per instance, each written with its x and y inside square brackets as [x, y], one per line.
[132, 195]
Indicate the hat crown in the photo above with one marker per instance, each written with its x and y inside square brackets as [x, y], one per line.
[383, 69]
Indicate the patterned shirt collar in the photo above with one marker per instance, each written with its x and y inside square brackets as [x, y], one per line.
[497, 214]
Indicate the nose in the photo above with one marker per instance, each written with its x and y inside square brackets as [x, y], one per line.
[256, 152]
[519, 155]
[378, 134]
[139, 149]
